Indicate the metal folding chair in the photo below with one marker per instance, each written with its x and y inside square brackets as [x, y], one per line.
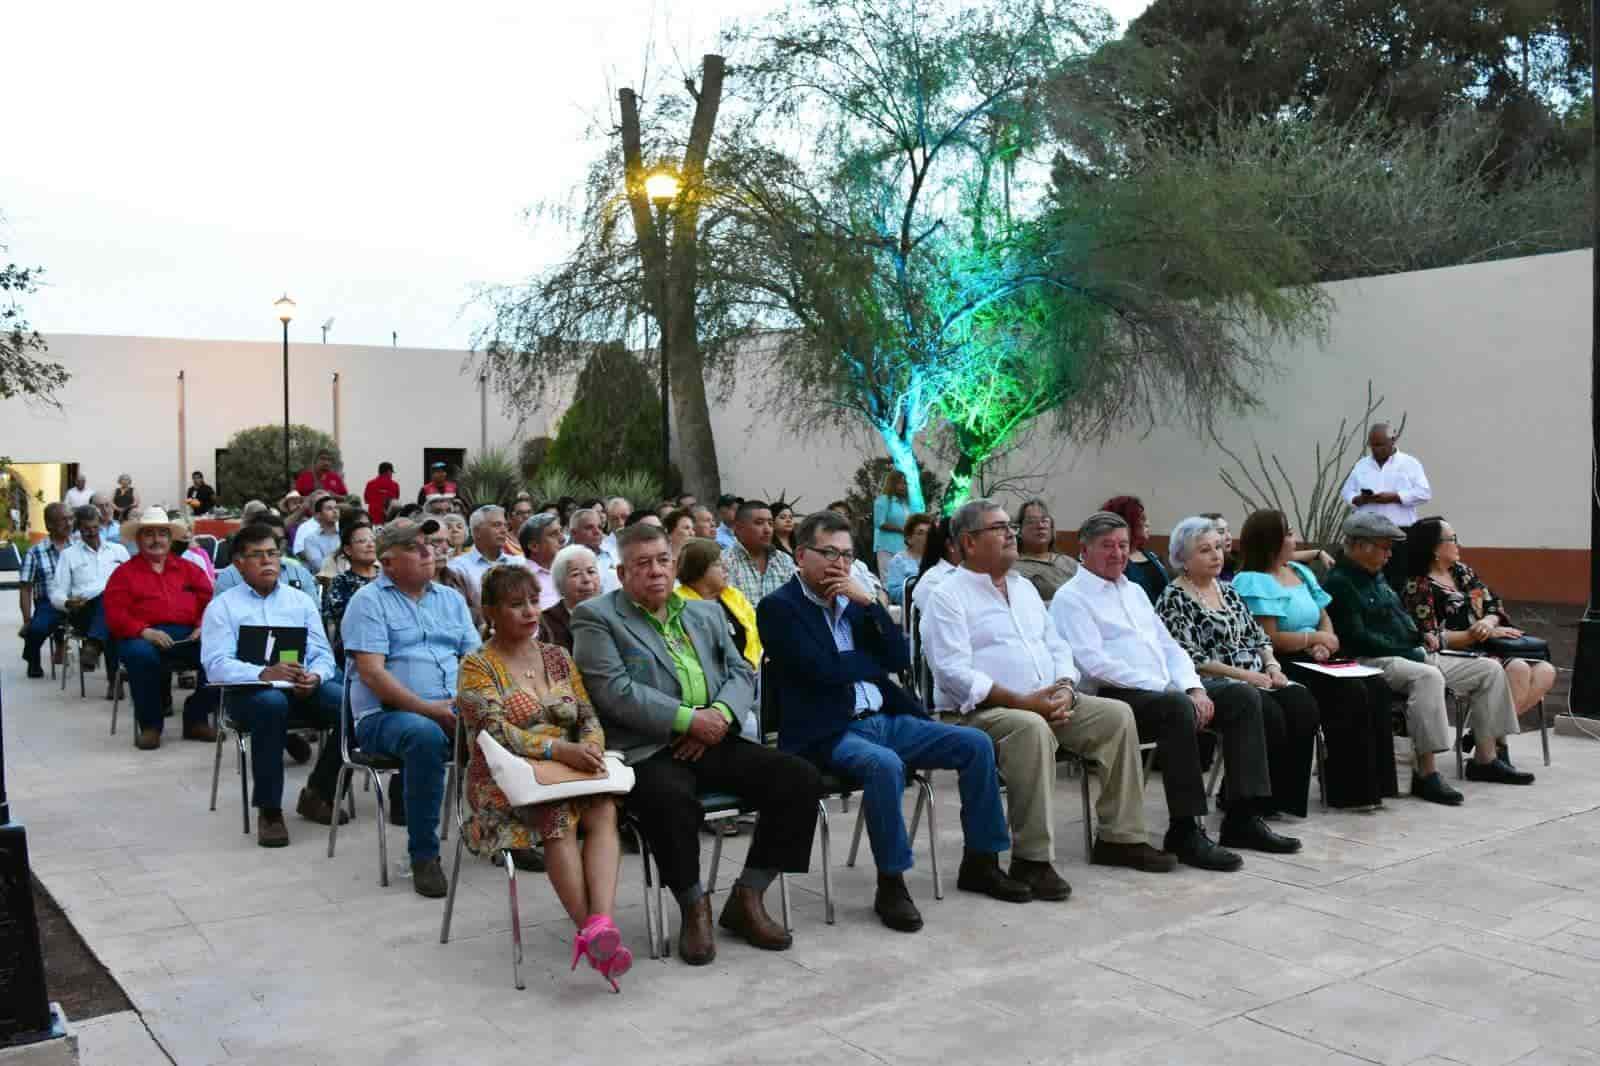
[352, 759]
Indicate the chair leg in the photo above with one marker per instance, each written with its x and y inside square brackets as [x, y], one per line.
[716, 859]
[1216, 774]
[1088, 818]
[341, 786]
[827, 872]
[844, 803]
[216, 768]
[244, 781]
[516, 919]
[83, 685]
[1320, 749]
[855, 839]
[383, 827]
[450, 894]
[116, 697]
[446, 811]
[1544, 733]
[783, 896]
[1461, 725]
[916, 816]
[644, 867]
[933, 838]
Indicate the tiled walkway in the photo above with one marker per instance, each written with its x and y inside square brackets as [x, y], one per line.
[1418, 935]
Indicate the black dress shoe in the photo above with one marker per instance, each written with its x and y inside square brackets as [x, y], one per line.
[35, 670]
[297, 748]
[1432, 787]
[893, 904]
[980, 872]
[1041, 879]
[1194, 848]
[1498, 772]
[1251, 831]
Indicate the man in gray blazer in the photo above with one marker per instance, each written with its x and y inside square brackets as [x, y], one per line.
[671, 687]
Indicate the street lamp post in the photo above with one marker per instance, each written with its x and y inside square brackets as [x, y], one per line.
[285, 308]
[662, 188]
[1584, 699]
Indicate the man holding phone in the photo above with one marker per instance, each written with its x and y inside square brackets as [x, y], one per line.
[295, 689]
[1388, 482]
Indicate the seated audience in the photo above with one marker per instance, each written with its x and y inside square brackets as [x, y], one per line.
[586, 533]
[458, 539]
[338, 561]
[702, 576]
[541, 540]
[999, 663]
[754, 568]
[317, 539]
[311, 698]
[832, 650]
[296, 511]
[440, 506]
[530, 698]
[405, 636]
[125, 502]
[154, 603]
[678, 727]
[110, 529]
[39, 569]
[78, 495]
[290, 570]
[80, 578]
[577, 578]
[321, 477]
[488, 525]
[727, 514]
[940, 558]
[705, 522]
[1143, 567]
[686, 500]
[1037, 558]
[680, 527]
[1123, 647]
[1288, 603]
[645, 518]
[1374, 626]
[908, 562]
[617, 511]
[1452, 604]
[1235, 657]
[521, 511]
[359, 548]
[782, 527]
[434, 535]
[183, 547]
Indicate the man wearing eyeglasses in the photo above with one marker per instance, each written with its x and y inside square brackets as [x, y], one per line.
[405, 636]
[832, 650]
[998, 662]
[311, 697]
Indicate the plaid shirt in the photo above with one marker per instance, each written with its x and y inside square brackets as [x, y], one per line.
[39, 568]
[748, 579]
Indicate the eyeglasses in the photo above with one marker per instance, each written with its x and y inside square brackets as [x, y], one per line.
[998, 527]
[1451, 539]
[833, 555]
[270, 555]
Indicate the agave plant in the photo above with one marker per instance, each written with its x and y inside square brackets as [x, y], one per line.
[554, 483]
[641, 489]
[490, 476]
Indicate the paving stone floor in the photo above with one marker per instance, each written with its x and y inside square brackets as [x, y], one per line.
[1415, 935]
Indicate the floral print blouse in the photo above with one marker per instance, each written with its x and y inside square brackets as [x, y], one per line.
[334, 603]
[1230, 636]
[1436, 607]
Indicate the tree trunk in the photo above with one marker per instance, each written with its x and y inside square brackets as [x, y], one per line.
[904, 458]
[679, 273]
[960, 487]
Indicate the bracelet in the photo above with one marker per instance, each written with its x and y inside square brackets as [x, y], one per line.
[549, 746]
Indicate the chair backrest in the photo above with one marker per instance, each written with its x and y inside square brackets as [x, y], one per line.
[458, 744]
[771, 714]
[223, 555]
[347, 725]
[909, 616]
[206, 543]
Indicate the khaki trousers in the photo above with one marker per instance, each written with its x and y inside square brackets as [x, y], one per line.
[1482, 681]
[1100, 730]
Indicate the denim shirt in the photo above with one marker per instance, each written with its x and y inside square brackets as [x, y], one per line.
[421, 641]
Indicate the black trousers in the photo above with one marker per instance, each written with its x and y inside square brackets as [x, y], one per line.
[1168, 719]
[1357, 723]
[783, 789]
[1289, 718]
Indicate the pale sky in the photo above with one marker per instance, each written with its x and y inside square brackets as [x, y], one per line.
[176, 166]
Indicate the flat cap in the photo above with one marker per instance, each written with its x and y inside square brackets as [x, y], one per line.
[1367, 525]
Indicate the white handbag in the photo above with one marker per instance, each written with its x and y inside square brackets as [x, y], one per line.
[527, 782]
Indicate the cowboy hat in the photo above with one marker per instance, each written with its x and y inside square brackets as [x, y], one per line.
[153, 516]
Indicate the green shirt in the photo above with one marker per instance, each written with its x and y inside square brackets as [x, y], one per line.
[685, 661]
[1368, 616]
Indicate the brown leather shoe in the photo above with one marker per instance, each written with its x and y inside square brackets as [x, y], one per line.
[313, 808]
[1139, 856]
[200, 731]
[746, 914]
[270, 830]
[695, 943]
[148, 739]
[1041, 878]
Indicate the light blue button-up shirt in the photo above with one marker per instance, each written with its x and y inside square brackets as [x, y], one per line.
[421, 641]
[244, 606]
[868, 696]
[291, 573]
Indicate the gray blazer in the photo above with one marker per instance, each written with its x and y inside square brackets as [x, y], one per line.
[629, 673]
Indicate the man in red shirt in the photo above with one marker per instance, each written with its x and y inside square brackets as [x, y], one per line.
[154, 603]
[438, 484]
[379, 491]
[324, 477]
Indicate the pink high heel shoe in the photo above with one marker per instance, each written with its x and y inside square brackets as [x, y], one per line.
[620, 962]
[601, 941]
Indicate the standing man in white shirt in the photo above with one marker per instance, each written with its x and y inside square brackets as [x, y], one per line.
[586, 532]
[999, 663]
[79, 494]
[488, 528]
[1388, 482]
[81, 577]
[1124, 647]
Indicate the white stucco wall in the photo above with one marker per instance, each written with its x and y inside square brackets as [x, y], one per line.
[1490, 361]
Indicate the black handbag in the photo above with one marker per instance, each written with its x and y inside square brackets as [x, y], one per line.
[1536, 648]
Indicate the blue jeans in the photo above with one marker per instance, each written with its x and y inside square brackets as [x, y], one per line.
[876, 751]
[45, 618]
[425, 750]
[148, 666]
[267, 713]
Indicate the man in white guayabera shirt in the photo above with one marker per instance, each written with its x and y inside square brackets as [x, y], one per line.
[1388, 482]
[999, 663]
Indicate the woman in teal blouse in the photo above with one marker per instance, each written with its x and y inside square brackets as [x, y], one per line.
[889, 513]
[1289, 603]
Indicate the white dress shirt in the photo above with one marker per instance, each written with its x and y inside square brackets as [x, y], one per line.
[605, 560]
[473, 564]
[974, 639]
[77, 497]
[1117, 637]
[1402, 474]
[930, 581]
[244, 606]
[82, 574]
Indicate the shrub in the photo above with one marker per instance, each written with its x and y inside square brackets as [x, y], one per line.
[252, 469]
[532, 455]
[640, 488]
[614, 423]
[490, 476]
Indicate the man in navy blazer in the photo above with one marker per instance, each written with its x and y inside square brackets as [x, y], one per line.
[831, 648]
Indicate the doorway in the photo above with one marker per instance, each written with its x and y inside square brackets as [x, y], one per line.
[453, 458]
